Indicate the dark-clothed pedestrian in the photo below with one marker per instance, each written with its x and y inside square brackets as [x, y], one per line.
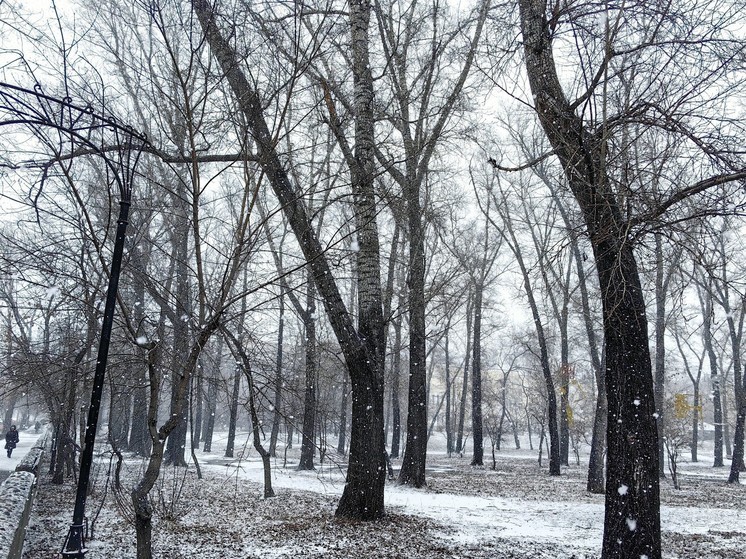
[11, 439]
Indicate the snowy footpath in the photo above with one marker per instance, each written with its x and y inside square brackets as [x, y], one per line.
[26, 441]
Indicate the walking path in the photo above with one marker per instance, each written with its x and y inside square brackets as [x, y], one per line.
[26, 440]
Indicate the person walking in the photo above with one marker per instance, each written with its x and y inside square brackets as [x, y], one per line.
[11, 439]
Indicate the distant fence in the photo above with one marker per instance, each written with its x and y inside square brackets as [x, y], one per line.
[16, 498]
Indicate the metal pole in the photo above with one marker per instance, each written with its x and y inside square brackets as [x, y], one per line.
[74, 546]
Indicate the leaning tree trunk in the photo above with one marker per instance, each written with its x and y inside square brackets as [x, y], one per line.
[632, 512]
[596, 482]
[362, 497]
[554, 438]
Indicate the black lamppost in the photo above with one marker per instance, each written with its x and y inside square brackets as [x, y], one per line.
[120, 147]
[74, 545]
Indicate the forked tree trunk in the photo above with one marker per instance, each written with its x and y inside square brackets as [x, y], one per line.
[362, 497]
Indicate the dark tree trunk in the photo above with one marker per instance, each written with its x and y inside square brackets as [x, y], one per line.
[143, 524]
[342, 441]
[212, 380]
[176, 443]
[660, 350]
[460, 443]
[208, 424]
[395, 380]
[632, 512]
[415, 453]
[198, 387]
[477, 458]
[596, 479]
[564, 423]
[277, 405]
[737, 465]
[717, 410]
[565, 370]
[233, 418]
[552, 423]
[449, 419]
[696, 405]
[139, 441]
[308, 442]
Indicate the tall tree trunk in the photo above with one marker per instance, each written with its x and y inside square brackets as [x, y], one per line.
[564, 423]
[660, 349]
[554, 439]
[717, 410]
[477, 458]
[596, 482]
[395, 380]
[198, 387]
[696, 405]
[213, 379]
[308, 443]
[632, 511]
[233, 417]
[596, 479]
[460, 443]
[277, 398]
[415, 453]
[176, 443]
[449, 419]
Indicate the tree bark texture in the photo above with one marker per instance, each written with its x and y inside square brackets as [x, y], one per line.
[632, 512]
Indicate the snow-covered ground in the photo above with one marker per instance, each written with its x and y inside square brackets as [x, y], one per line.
[515, 511]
